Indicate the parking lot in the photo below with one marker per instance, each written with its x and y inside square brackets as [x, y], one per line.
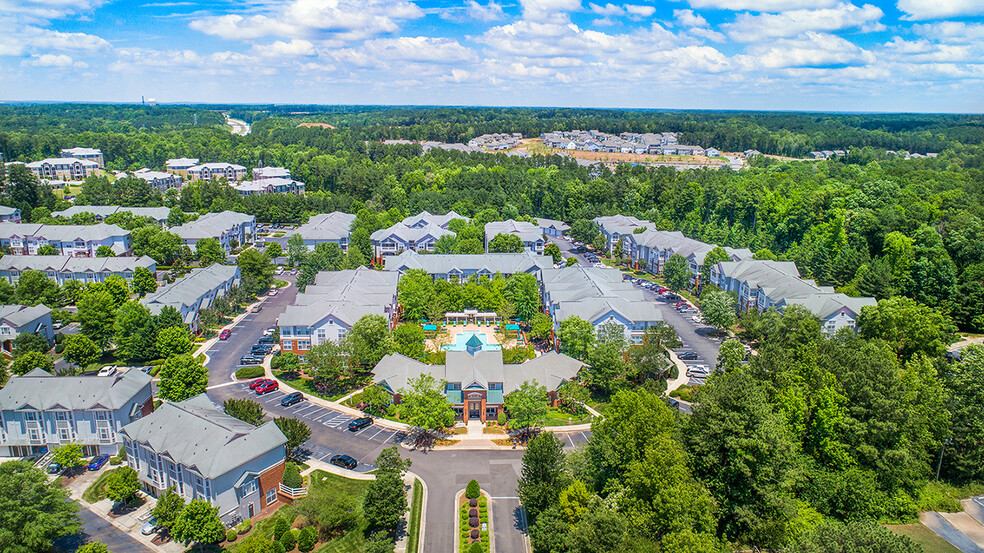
[319, 419]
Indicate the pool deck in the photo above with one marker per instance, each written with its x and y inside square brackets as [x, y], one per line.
[454, 331]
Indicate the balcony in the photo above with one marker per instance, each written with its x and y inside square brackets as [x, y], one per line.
[293, 493]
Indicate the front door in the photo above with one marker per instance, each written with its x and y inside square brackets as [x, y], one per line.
[474, 409]
[250, 510]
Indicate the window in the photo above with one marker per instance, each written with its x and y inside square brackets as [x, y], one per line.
[288, 344]
[286, 330]
[321, 335]
[271, 495]
[203, 488]
[454, 385]
[250, 487]
[495, 385]
[304, 344]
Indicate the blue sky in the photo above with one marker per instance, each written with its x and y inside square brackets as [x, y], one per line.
[828, 55]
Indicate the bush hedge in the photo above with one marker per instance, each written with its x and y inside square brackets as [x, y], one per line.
[476, 547]
[231, 535]
[280, 527]
[307, 539]
[472, 491]
[288, 540]
[252, 371]
[674, 372]
[278, 547]
[244, 526]
[292, 476]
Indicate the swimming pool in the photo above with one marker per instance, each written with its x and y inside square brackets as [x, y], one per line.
[461, 342]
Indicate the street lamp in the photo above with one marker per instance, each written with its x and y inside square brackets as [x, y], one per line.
[939, 465]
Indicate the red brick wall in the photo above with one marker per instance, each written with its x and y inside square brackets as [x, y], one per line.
[147, 408]
[271, 479]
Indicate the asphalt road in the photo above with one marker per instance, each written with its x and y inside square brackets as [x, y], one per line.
[95, 528]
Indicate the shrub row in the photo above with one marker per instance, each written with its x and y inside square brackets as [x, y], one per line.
[252, 371]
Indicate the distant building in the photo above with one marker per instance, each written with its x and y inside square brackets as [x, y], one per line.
[18, 319]
[195, 291]
[9, 214]
[326, 310]
[551, 227]
[400, 237]
[63, 268]
[88, 154]
[461, 266]
[208, 171]
[263, 173]
[614, 227]
[270, 186]
[327, 227]
[203, 453]
[41, 412]
[225, 226]
[528, 233]
[180, 166]
[158, 180]
[72, 240]
[425, 218]
[63, 168]
[158, 214]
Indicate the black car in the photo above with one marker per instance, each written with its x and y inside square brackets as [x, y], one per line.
[250, 360]
[344, 461]
[266, 340]
[689, 356]
[291, 399]
[261, 348]
[359, 424]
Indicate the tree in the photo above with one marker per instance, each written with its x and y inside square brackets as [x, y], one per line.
[553, 250]
[910, 327]
[209, 251]
[330, 366]
[295, 430]
[836, 537]
[713, 257]
[731, 356]
[379, 542]
[122, 485]
[408, 340]
[198, 523]
[600, 243]
[175, 217]
[35, 511]
[93, 547]
[369, 340]
[168, 508]
[650, 360]
[135, 332]
[25, 342]
[389, 460]
[527, 405]
[523, 291]
[48, 249]
[244, 409]
[296, 250]
[416, 290]
[34, 288]
[963, 459]
[541, 326]
[143, 281]
[577, 337]
[506, 243]
[105, 251]
[583, 230]
[69, 455]
[718, 309]
[29, 361]
[543, 475]
[676, 272]
[118, 289]
[96, 314]
[174, 340]
[169, 317]
[256, 270]
[307, 539]
[424, 405]
[376, 399]
[385, 501]
[182, 377]
[274, 250]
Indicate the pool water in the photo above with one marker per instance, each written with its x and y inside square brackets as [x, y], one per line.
[461, 340]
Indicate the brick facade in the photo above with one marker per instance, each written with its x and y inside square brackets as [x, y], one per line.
[271, 479]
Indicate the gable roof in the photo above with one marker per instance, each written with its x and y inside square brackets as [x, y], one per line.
[620, 224]
[19, 315]
[67, 263]
[212, 225]
[197, 434]
[410, 234]
[427, 218]
[188, 291]
[39, 390]
[346, 295]
[527, 232]
[505, 263]
[550, 223]
[327, 226]
[103, 211]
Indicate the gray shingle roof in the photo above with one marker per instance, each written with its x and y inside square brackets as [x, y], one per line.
[327, 226]
[197, 434]
[825, 305]
[527, 232]
[61, 233]
[506, 263]
[40, 390]
[621, 224]
[189, 290]
[410, 234]
[550, 223]
[67, 263]
[211, 225]
[19, 315]
[426, 217]
[347, 295]
[7, 211]
[103, 211]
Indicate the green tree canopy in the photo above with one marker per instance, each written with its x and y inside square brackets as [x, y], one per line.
[182, 377]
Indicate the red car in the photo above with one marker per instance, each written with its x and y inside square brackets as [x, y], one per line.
[268, 386]
[258, 382]
[224, 335]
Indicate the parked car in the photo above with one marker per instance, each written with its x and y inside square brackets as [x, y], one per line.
[280, 270]
[250, 360]
[224, 335]
[259, 381]
[108, 370]
[272, 292]
[267, 386]
[98, 461]
[56, 325]
[269, 331]
[688, 355]
[266, 340]
[291, 399]
[359, 424]
[256, 309]
[698, 370]
[293, 271]
[54, 468]
[149, 527]
[344, 461]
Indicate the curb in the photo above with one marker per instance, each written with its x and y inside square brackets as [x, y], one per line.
[457, 527]
[423, 511]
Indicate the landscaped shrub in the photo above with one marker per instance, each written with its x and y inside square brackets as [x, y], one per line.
[278, 547]
[292, 476]
[473, 512]
[502, 418]
[476, 547]
[473, 503]
[244, 526]
[280, 527]
[307, 539]
[231, 535]
[938, 497]
[252, 371]
[472, 491]
[288, 540]
[674, 372]
[473, 522]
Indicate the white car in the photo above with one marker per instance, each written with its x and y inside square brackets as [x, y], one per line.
[108, 370]
[272, 293]
[280, 270]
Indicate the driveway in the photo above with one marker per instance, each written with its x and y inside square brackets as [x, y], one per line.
[95, 528]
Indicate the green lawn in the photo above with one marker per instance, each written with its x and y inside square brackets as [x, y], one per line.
[97, 490]
[324, 483]
[306, 385]
[414, 522]
[279, 283]
[556, 417]
[930, 542]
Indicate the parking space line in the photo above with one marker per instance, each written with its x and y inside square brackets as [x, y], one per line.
[569, 439]
[344, 420]
[377, 433]
[585, 437]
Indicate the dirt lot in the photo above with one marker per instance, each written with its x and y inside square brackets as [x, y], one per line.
[535, 146]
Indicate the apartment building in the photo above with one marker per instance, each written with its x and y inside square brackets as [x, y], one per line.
[195, 291]
[208, 171]
[63, 268]
[63, 168]
[528, 233]
[400, 237]
[89, 154]
[327, 227]
[225, 226]
[425, 218]
[19, 319]
[158, 214]
[9, 214]
[615, 227]
[181, 165]
[72, 240]
[459, 267]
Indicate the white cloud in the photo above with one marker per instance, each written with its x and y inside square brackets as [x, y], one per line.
[341, 19]
[640, 11]
[762, 5]
[707, 34]
[813, 50]
[607, 9]
[53, 60]
[40, 11]
[56, 40]
[922, 51]
[418, 48]
[488, 12]
[939, 9]
[688, 18]
[756, 28]
[548, 11]
[143, 60]
[280, 49]
[951, 31]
